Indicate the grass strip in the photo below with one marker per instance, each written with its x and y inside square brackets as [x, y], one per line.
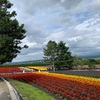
[28, 92]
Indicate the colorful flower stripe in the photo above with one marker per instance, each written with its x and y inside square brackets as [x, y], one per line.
[68, 86]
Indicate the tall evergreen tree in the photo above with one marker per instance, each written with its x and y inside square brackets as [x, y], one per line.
[11, 33]
[63, 57]
[58, 54]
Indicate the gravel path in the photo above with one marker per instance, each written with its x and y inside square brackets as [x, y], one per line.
[81, 73]
[4, 91]
[7, 91]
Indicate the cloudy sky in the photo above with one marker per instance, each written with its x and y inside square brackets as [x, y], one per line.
[76, 22]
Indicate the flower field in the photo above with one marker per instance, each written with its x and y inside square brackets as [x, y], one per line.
[70, 87]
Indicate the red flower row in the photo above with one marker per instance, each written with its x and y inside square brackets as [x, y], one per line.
[9, 69]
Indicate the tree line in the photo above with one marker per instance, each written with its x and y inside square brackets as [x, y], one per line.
[59, 56]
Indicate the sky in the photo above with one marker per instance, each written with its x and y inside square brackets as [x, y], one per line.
[75, 22]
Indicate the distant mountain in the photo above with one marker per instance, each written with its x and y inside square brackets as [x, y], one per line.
[26, 62]
[92, 56]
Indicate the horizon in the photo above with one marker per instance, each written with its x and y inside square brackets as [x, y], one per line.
[86, 57]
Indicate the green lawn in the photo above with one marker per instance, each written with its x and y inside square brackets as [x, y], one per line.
[29, 92]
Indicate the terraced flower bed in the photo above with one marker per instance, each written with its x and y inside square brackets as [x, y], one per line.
[69, 87]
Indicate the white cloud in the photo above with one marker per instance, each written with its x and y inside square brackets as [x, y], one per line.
[75, 39]
[92, 24]
[76, 22]
[35, 53]
[56, 35]
[30, 44]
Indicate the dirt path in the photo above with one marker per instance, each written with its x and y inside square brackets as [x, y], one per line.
[88, 73]
[4, 91]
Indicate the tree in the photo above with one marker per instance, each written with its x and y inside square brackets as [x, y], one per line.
[50, 51]
[11, 33]
[63, 57]
[58, 54]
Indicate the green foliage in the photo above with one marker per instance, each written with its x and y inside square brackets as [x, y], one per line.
[91, 63]
[63, 56]
[58, 54]
[28, 92]
[77, 61]
[50, 51]
[11, 33]
[97, 61]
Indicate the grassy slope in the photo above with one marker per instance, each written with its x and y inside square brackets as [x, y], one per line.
[29, 92]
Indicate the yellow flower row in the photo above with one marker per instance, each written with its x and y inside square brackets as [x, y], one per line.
[38, 67]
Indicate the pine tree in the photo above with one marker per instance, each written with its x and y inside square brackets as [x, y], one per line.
[11, 33]
[63, 57]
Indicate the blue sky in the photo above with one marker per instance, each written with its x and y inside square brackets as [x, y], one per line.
[76, 22]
